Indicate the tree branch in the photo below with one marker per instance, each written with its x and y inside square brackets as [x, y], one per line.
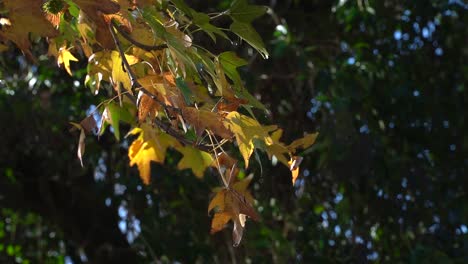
[136, 85]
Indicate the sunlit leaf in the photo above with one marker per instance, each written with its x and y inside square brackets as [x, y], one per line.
[305, 142]
[81, 146]
[246, 130]
[294, 167]
[149, 146]
[64, 58]
[202, 119]
[119, 74]
[194, 159]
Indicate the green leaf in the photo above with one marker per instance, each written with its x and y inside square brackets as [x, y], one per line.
[185, 90]
[241, 11]
[151, 17]
[202, 20]
[182, 6]
[230, 61]
[248, 33]
[113, 115]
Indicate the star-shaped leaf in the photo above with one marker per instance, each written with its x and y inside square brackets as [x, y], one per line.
[233, 203]
[149, 146]
[64, 58]
[194, 159]
[249, 133]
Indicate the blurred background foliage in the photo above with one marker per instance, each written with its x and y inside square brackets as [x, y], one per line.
[384, 82]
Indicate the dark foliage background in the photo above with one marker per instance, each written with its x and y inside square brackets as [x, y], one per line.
[384, 82]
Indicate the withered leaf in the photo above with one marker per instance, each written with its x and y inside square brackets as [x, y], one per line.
[81, 146]
[203, 119]
[26, 17]
[233, 203]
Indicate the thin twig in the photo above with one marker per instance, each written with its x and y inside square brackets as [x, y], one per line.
[131, 74]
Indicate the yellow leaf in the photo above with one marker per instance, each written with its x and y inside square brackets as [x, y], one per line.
[153, 83]
[247, 130]
[304, 142]
[64, 57]
[278, 149]
[194, 159]
[119, 75]
[149, 146]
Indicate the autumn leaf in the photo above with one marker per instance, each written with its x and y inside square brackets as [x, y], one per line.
[64, 58]
[119, 75]
[26, 17]
[305, 142]
[114, 114]
[233, 203]
[248, 133]
[278, 149]
[96, 11]
[149, 146]
[147, 108]
[81, 146]
[294, 167]
[203, 119]
[86, 126]
[194, 159]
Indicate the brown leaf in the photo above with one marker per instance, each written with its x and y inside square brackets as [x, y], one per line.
[203, 119]
[89, 124]
[81, 146]
[26, 17]
[147, 107]
[95, 11]
[232, 104]
[238, 230]
[233, 203]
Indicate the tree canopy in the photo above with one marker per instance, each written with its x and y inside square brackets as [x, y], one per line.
[214, 103]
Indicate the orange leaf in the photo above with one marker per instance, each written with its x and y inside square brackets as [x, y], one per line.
[294, 167]
[219, 221]
[147, 107]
